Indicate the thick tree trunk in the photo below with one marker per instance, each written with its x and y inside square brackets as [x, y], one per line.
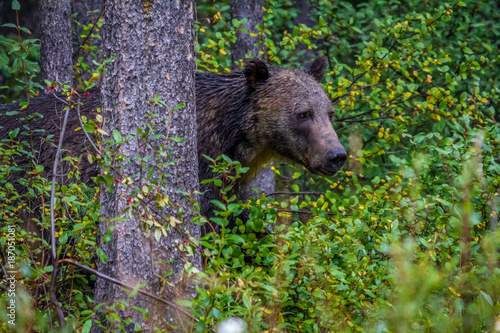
[245, 44]
[264, 181]
[154, 44]
[55, 40]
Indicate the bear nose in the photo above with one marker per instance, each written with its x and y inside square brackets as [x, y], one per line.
[336, 157]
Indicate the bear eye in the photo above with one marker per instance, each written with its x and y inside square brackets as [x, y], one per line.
[303, 115]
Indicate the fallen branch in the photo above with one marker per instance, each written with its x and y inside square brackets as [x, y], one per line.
[124, 285]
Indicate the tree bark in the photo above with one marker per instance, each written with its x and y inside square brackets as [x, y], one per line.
[264, 181]
[55, 41]
[245, 43]
[154, 44]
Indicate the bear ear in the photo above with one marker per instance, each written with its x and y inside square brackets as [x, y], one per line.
[256, 72]
[316, 68]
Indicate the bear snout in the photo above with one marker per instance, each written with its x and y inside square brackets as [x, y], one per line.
[335, 159]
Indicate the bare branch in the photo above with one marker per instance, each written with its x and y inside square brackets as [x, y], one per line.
[124, 285]
[53, 282]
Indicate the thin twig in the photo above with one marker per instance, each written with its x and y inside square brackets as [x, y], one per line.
[53, 282]
[124, 285]
[83, 128]
[91, 31]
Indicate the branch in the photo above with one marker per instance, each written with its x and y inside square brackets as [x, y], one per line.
[90, 32]
[124, 285]
[53, 281]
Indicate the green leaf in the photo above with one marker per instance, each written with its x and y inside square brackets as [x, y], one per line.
[69, 199]
[63, 238]
[246, 301]
[185, 303]
[9, 25]
[134, 292]
[463, 97]
[117, 136]
[178, 106]
[87, 326]
[13, 133]
[218, 204]
[89, 128]
[102, 256]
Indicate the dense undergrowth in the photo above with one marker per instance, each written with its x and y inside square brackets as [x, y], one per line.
[405, 238]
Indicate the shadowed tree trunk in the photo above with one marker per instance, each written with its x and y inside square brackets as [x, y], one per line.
[304, 17]
[85, 16]
[245, 45]
[55, 40]
[154, 45]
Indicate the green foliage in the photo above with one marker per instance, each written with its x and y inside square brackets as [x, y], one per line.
[404, 239]
[18, 60]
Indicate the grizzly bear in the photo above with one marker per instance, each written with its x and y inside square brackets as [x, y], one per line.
[252, 116]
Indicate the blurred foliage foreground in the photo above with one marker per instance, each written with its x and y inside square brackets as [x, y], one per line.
[405, 239]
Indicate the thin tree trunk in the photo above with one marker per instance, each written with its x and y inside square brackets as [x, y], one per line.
[154, 44]
[55, 40]
[264, 181]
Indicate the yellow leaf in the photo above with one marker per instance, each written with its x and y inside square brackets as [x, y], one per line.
[453, 291]
[223, 52]
[94, 77]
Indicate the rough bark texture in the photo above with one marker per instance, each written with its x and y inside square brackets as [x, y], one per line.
[245, 44]
[154, 44]
[55, 40]
[264, 181]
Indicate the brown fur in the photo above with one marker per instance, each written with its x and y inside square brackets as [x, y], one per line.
[251, 116]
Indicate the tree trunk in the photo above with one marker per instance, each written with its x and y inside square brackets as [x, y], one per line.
[264, 181]
[304, 6]
[154, 44]
[83, 17]
[245, 44]
[55, 41]
[304, 17]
